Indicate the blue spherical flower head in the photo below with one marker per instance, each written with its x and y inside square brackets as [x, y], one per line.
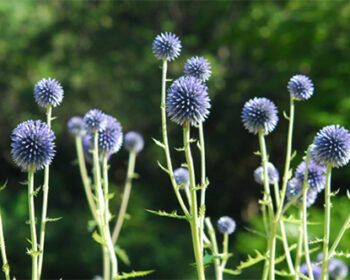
[133, 142]
[33, 145]
[316, 271]
[188, 100]
[300, 87]
[95, 120]
[48, 92]
[331, 146]
[337, 269]
[259, 113]
[111, 137]
[272, 173]
[166, 46]
[182, 177]
[316, 175]
[295, 187]
[198, 67]
[226, 225]
[76, 126]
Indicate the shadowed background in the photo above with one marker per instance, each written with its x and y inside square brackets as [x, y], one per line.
[101, 53]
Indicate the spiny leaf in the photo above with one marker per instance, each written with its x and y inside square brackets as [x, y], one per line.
[199, 145]
[24, 183]
[255, 232]
[133, 274]
[293, 220]
[208, 258]
[342, 254]
[184, 165]
[281, 258]
[98, 238]
[53, 219]
[293, 155]
[192, 140]
[202, 211]
[163, 168]
[283, 273]
[173, 214]
[36, 191]
[122, 255]
[302, 276]
[285, 115]
[315, 241]
[3, 186]
[257, 153]
[231, 271]
[158, 143]
[33, 253]
[179, 149]
[250, 261]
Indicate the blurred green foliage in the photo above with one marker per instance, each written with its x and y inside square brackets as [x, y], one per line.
[101, 53]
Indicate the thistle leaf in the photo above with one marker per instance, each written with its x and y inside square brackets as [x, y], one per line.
[285, 115]
[342, 254]
[121, 253]
[133, 274]
[179, 149]
[158, 143]
[3, 186]
[53, 219]
[163, 168]
[250, 261]
[283, 273]
[173, 214]
[98, 238]
[36, 191]
[202, 211]
[208, 258]
[231, 271]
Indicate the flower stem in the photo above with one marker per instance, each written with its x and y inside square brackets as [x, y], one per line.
[327, 220]
[5, 265]
[339, 237]
[299, 246]
[126, 195]
[304, 216]
[198, 252]
[108, 237]
[34, 250]
[215, 251]
[165, 140]
[84, 176]
[273, 226]
[45, 202]
[224, 251]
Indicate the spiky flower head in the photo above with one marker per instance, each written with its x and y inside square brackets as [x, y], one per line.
[301, 87]
[188, 100]
[133, 142]
[316, 271]
[259, 113]
[226, 225]
[88, 146]
[272, 173]
[182, 177]
[76, 126]
[295, 187]
[48, 92]
[110, 138]
[95, 120]
[331, 146]
[33, 145]
[198, 67]
[166, 46]
[316, 175]
[337, 269]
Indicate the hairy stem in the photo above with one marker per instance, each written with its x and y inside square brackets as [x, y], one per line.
[33, 237]
[45, 202]
[215, 250]
[126, 195]
[198, 252]
[5, 265]
[327, 221]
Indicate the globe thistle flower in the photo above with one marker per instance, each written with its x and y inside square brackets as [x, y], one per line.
[337, 269]
[111, 137]
[33, 145]
[295, 187]
[301, 87]
[316, 271]
[95, 120]
[182, 177]
[133, 142]
[48, 92]
[316, 175]
[226, 225]
[76, 126]
[198, 67]
[188, 100]
[331, 146]
[166, 46]
[259, 113]
[272, 173]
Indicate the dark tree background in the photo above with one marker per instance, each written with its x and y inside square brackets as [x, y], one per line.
[101, 53]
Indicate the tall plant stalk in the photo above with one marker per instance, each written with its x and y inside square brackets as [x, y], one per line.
[5, 264]
[299, 244]
[215, 250]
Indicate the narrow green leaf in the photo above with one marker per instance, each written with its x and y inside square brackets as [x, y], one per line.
[98, 238]
[158, 143]
[163, 168]
[285, 115]
[208, 258]
[134, 274]
[53, 219]
[232, 272]
[173, 214]
[121, 253]
[3, 186]
[283, 273]
[179, 149]
[36, 191]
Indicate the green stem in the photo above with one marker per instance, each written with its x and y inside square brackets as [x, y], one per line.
[339, 237]
[194, 211]
[126, 195]
[165, 140]
[5, 265]
[304, 216]
[34, 250]
[327, 220]
[85, 177]
[299, 246]
[203, 184]
[273, 225]
[215, 251]
[224, 251]
[108, 237]
[106, 263]
[265, 273]
[45, 202]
